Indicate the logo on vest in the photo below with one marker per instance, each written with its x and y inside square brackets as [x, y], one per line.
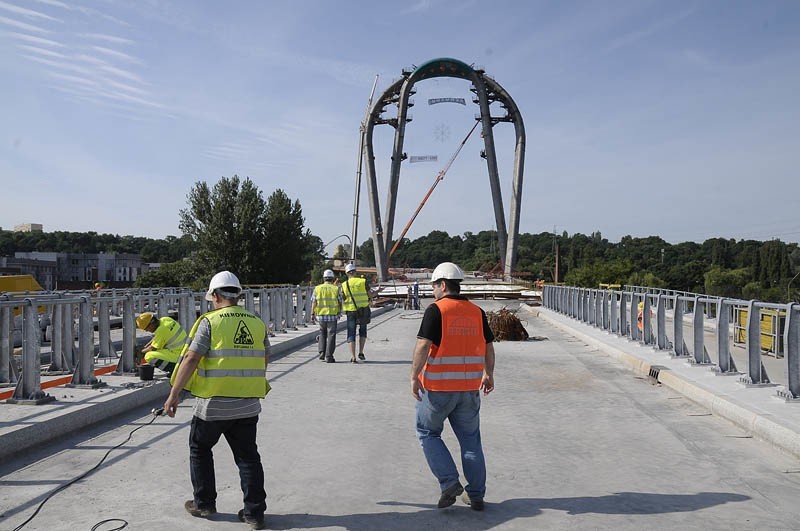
[462, 326]
[243, 336]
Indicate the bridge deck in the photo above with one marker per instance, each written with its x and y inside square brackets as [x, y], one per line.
[573, 440]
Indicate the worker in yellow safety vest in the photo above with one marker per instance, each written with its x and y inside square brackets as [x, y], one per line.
[356, 307]
[163, 350]
[224, 365]
[326, 308]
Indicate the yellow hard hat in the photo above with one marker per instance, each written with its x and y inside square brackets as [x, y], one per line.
[144, 320]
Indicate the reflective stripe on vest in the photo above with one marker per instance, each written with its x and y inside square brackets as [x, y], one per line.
[234, 366]
[457, 364]
[161, 358]
[169, 336]
[327, 299]
[355, 294]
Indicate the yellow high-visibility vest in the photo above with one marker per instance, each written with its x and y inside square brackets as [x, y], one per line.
[355, 294]
[234, 365]
[327, 299]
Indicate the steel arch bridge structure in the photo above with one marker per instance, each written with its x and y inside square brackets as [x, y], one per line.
[487, 91]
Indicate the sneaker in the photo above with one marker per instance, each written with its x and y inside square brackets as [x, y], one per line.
[322, 357]
[361, 356]
[255, 523]
[475, 505]
[199, 512]
[330, 360]
[449, 494]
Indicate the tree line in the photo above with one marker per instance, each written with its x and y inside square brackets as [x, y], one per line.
[746, 269]
[231, 226]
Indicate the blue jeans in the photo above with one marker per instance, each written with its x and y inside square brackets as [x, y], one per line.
[462, 409]
[352, 321]
[241, 437]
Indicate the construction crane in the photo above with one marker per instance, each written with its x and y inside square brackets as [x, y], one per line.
[430, 191]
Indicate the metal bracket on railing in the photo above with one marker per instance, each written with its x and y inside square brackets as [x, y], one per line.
[699, 351]
[726, 365]
[83, 377]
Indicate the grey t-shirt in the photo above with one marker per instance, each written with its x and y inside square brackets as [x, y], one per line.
[220, 407]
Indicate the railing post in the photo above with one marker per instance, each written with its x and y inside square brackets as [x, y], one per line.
[700, 352]
[635, 335]
[104, 329]
[661, 322]
[83, 376]
[725, 363]
[614, 313]
[7, 366]
[756, 373]
[791, 353]
[679, 349]
[647, 324]
[126, 362]
[29, 387]
[623, 314]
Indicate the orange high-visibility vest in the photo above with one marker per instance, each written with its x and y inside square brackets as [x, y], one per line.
[458, 362]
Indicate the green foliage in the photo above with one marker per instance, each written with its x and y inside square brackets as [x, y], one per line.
[726, 282]
[186, 273]
[235, 229]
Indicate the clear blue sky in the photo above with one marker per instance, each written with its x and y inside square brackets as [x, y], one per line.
[672, 118]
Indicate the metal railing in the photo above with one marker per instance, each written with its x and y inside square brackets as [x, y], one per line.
[641, 315]
[78, 327]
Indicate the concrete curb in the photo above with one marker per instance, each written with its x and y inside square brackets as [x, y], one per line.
[755, 424]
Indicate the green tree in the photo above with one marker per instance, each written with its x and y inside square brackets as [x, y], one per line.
[291, 250]
[228, 225]
[726, 282]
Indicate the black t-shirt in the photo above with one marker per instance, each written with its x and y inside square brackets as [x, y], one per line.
[431, 326]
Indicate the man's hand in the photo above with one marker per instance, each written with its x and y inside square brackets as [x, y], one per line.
[487, 384]
[171, 405]
[416, 387]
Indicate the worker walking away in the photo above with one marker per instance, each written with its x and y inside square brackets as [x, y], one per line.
[326, 308]
[224, 366]
[453, 361]
[356, 307]
[163, 350]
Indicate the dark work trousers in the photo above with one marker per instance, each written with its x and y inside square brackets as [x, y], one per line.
[327, 338]
[241, 437]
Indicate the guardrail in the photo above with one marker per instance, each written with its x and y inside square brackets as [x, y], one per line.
[61, 318]
[619, 313]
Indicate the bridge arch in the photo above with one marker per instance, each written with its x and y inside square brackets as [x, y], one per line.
[487, 91]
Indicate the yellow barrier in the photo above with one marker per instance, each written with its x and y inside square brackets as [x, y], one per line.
[771, 327]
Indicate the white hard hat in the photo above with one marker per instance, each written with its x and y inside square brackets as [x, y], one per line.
[447, 270]
[223, 279]
[328, 274]
[349, 268]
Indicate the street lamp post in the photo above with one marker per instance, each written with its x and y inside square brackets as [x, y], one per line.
[788, 290]
[341, 236]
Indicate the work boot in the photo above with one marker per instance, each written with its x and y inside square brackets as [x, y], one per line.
[474, 504]
[322, 356]
[199, 512]
[449, 494]
[330, 359]
[255, 522]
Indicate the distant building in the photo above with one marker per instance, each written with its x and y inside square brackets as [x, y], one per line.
[89, 267]
[28, 227]
[44, 271]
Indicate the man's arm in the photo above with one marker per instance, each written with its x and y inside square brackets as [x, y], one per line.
[185, 370]
[487, 384]
[421, 350]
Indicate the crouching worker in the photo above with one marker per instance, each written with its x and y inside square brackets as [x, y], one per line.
[224, 365]
[163, 349]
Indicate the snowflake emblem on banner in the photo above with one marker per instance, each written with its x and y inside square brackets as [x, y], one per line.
[442, 132]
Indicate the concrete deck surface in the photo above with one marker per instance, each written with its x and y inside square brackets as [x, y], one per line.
[573, 440]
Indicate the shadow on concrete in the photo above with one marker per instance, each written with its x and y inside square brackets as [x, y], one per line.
[462, 517]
